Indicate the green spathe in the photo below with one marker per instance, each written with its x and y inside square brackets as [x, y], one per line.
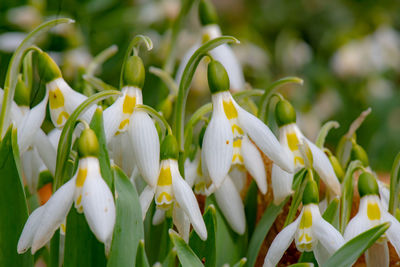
[88, 145]
[169, 148]
[218, 79]
[311, 194]
[367, 185]
[22, 93]
[358, 152]
[48, 69]
[134, 73]
[337, 167]
[284, 113]
[207, 13]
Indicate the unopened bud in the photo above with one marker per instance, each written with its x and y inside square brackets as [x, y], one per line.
[169, 148]
[367, 185]
[207, 13]
[88, 145]
[133, 72]
[218, 79]
[284, 113]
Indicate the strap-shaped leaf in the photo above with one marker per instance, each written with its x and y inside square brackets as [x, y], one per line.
[394, 185]
[185, 254]
[352, 250]
[128, 230]
[331, 214]
[141, 259]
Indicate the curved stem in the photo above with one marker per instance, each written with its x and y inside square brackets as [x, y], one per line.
[166, 78]
[324, 132]
[151, 111]
[394, 185]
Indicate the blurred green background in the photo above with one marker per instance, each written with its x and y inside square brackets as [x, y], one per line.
[347, 52]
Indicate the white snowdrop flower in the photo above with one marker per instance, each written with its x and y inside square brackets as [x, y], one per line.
[173, 193]
[371, 213]
[227, 137]
[122, 118]
[222, 53]
[91, 194]
[290, 137]
[309, 231]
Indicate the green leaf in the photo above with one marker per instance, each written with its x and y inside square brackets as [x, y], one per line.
[347, 194]
[394, 185]
[262, 230]
[64, 145]
[82, 249]
[302, 264]
[206, 249]
[186, 80]
[250, 207]
[13, 207]
[15, 65]
[240, 263]
[141, 259]
[299, 183]
[128, 230]
[324, 132]
[353, 249]
[170, 260]
[308, 258]
[185, 254]
[97, 126]
[331, 214]
[97, 83]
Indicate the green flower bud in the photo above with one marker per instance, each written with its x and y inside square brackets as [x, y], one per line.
[169, 148]
[133, 72]
[284, 113]
[337, 167]
[22, 93]
[201, 135]
[218, 79]
[88, 145]
[207, 13]
[311, 193]
[367, 185]
[358, 153]
[48, 69]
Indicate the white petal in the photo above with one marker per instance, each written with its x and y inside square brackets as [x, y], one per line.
[281, 243]
[30, 228]
[56, 209]
[158, 217]
[187, 201]
[31, 124]
[325, 233]
[46, 150]
[384, 194]
[191, 170]
[54, 137]
[264, 139]
[377, 255]
[184, 61]
[112, 118]
[98, 203]
[218, 144]
[324, 168]
[393, 233]
[321, 254]
[359, 223]
[31, 164]
[281, 184]
[145, 199]
[238, 177]
[254, 163]
[181, 222]
[146, 146]
[231, 205]
[121, 151]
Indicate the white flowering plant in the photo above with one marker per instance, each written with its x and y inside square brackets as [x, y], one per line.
[152, 186]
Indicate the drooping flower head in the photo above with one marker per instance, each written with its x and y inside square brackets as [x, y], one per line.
[290, 137]
[371, 213]
[227, 138]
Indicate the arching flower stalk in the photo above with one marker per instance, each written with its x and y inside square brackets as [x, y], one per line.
[91, 194]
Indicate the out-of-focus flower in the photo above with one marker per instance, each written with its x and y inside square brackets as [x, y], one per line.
[9, 41]
[25, 17]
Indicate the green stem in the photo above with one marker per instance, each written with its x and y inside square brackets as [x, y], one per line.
[155, 115]
[166, 78]
[14, 68]
[394, 185]
[324, 132]
[263, 111]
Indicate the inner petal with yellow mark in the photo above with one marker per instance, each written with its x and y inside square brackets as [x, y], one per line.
[56, 98]
[304, 237]
[229, 109]
[293, 142]
[373, 211]
[237, 157]
[164, 194]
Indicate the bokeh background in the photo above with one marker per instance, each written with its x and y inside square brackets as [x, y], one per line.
[347, 52]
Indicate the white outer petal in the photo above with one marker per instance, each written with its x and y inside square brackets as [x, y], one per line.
[264, 139]
[377, 255]
[98, 202]
[359, 223]
[217, 149]
[281, 243]
[30, 228]
[55, 211]
[158, 217]
[120, 150]
[54, 137]
[191, 170]
[231, 205]
[323, 167]
[181, 222]
[145, 199]
[146, 146]
[112, 117]
[184, 61]
[46, 150]
[321, 254]
[238, 177]
[31, 164]
[254, 164]
[31, 124]
[281, 184]
[187, 201]
[393, 233]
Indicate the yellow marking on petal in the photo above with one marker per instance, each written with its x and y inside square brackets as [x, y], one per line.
[56, 99]
[237, 129]
[80, 180]
[168, 197]
[293, 141]
[237, 143]
[123, 124]
[237, 157]
[306, 220]
[299, 159]
[165, 177]
[63, 228]
[61, 117]
[129, 104]
[199, 169]
[373, 211]
[200, 187]
[78, 201]
[230, 110]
